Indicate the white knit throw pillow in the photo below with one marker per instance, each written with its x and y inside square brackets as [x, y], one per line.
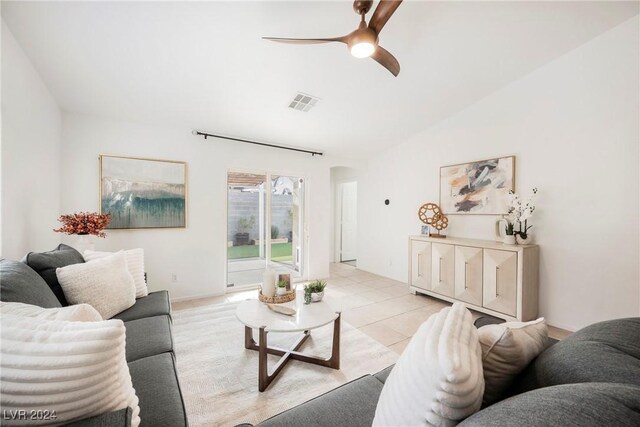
[135, 265]
[507, 348]
[77, 313]
[438, 378]
[71, 370]
[105, 284]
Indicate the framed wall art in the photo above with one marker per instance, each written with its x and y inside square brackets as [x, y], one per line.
[143, 193]
[477, 187]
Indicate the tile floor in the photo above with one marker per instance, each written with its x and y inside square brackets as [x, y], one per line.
[382, 308]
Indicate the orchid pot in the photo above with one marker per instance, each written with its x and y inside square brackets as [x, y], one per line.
[526, 240]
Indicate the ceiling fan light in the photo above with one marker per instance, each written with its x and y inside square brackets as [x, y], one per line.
[363, 49]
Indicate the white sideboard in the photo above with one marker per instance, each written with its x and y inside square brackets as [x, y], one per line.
[490, 277]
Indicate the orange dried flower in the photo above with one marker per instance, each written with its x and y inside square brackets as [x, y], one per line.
[84, 223]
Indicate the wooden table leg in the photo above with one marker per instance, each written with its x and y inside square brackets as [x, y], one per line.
[264, 378]
[335, 348]
[249, 342]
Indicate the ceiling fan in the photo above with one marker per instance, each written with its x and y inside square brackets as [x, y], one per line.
[363, 42]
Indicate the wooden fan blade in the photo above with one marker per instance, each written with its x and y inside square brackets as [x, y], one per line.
[383, 12]
[387, 60]
[306, 41]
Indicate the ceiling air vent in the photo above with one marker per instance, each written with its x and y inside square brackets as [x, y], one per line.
[303, 102]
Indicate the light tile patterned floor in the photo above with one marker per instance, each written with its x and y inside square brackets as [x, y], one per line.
[382, 308]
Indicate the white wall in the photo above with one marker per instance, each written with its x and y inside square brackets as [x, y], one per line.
[573, 125]
[198, 253]
[31, 122]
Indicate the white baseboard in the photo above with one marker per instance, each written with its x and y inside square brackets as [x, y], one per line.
[558, 325]
[190, 297]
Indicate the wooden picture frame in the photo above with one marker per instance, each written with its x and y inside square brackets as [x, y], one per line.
[478, 187]
[285, 277]
[143, 193]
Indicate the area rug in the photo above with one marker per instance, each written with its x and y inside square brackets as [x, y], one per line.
[219, 377]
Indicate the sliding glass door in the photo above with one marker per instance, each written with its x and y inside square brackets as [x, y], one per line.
[287, 195]
[265, 226]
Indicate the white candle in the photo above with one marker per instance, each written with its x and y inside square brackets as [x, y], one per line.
[269, 283]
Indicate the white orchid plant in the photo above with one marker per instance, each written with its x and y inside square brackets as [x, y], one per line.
[520, 212]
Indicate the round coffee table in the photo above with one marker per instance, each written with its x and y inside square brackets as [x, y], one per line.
[256, 315]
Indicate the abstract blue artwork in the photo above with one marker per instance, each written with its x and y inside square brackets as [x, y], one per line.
[143, 193]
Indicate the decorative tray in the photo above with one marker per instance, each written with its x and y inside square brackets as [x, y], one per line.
[277, 299]
[282, 309]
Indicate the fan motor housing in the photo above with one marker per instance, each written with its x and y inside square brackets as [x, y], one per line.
[362, 6]
[362, 35]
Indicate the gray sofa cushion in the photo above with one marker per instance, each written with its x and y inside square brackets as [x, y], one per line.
[19, 283]
[45, 264]
[154, 304]
[120, 418]
[603, 352]
[586, 404]
[352, 404]
[157, 387]
[384, 374]
[148, 337]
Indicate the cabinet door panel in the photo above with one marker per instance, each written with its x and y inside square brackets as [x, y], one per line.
[421, 264]
[442, 269]
[500, 283]
[468, 274]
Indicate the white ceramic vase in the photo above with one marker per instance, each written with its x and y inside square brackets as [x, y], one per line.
[84, 243]
[509, 239]
[281, 291]
[527, 241]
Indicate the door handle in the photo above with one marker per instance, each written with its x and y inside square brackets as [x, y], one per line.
[440, 271]
[465, 274]
[497, 280]
[419, 264]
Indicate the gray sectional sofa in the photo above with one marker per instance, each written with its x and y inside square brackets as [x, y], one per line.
[592, 378]
[149, 340]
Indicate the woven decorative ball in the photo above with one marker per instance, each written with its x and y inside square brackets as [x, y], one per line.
[428, 212]
[440, 222]
[277, 299]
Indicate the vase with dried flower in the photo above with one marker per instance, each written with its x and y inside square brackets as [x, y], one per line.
[519, 213]
[84, 225]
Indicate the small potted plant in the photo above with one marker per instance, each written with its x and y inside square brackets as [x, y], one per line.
[510, 237]
[314, 291]
[281, 288]
[244, 227]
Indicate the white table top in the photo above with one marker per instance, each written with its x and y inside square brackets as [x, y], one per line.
[254, 314]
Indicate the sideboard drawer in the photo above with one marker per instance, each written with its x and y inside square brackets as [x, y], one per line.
[500, 281]
[421, 264]
[442, 269]
[468, 275]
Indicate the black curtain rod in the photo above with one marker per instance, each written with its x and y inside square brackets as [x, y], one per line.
[300, 150]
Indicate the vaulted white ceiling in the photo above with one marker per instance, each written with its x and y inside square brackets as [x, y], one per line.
[203, 64]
